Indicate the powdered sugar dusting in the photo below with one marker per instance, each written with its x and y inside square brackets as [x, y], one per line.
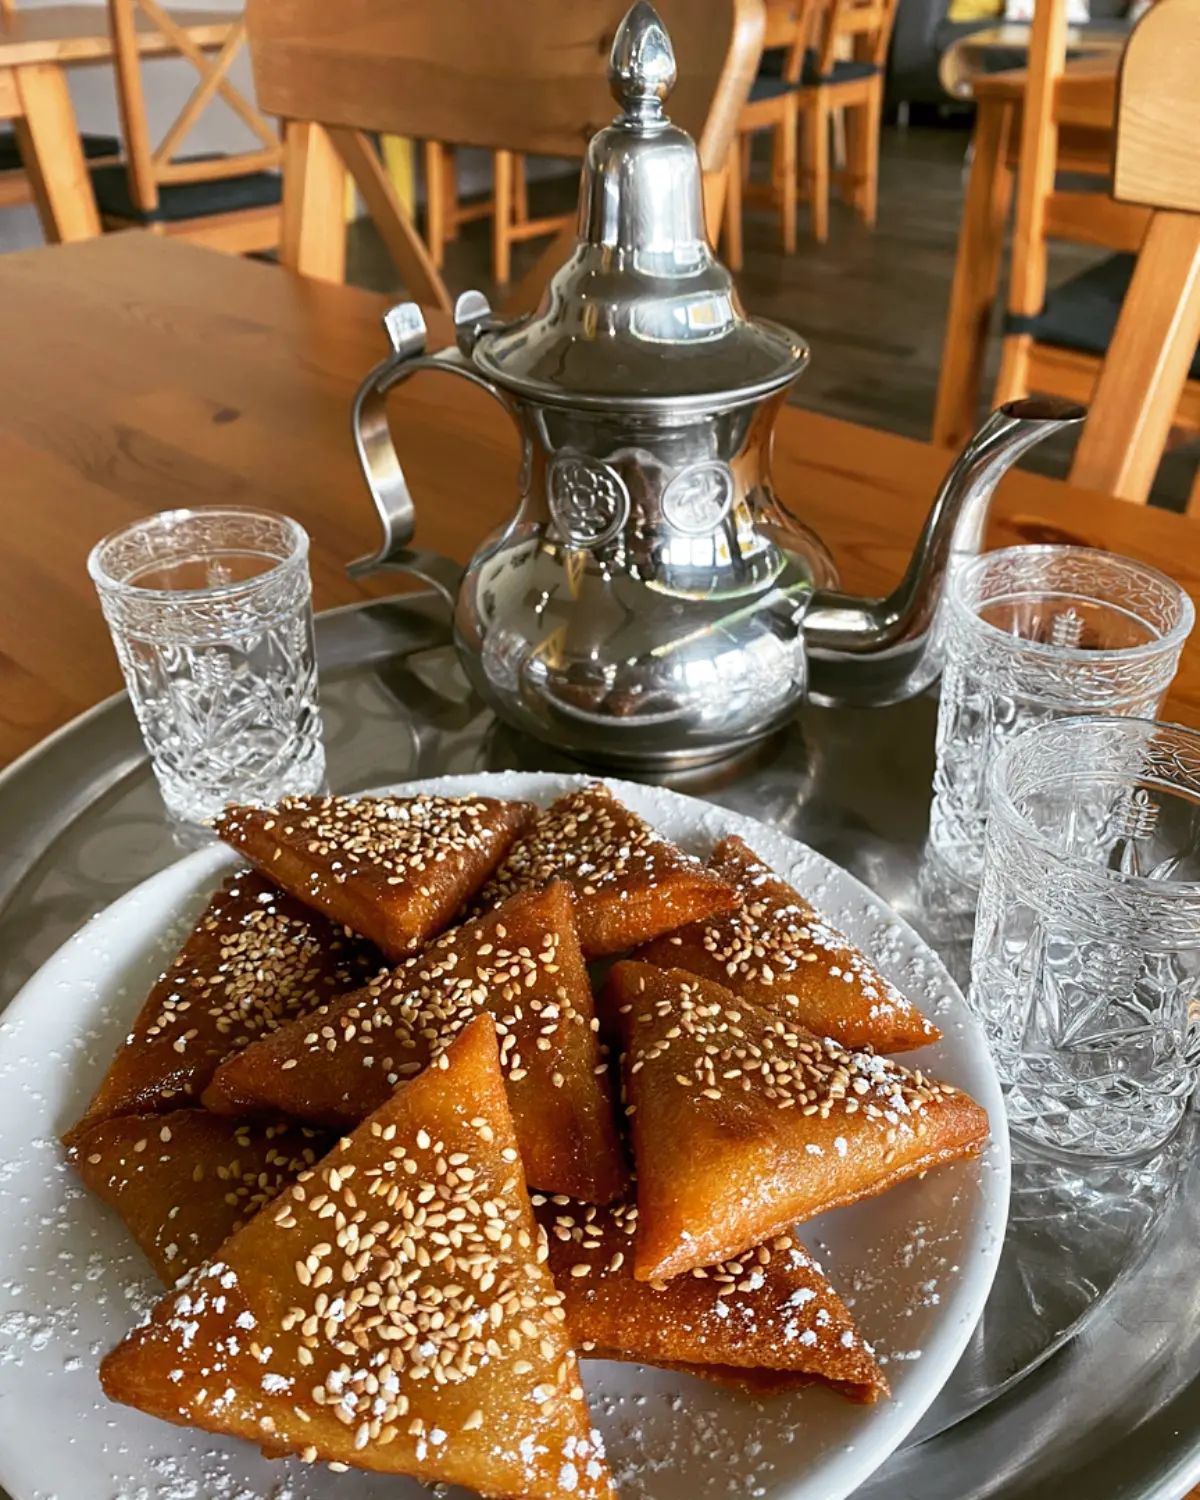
[71, 1283]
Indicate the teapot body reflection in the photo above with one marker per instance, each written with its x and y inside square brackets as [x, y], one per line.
[652, 602]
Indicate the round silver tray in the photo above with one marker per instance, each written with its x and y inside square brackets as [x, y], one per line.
[1083, 1377]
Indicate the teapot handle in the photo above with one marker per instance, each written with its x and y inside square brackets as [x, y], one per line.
[377, 452]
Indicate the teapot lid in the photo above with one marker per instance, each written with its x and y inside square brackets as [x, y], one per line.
[642, 315]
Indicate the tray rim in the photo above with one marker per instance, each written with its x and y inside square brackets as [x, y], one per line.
[1164, 1467]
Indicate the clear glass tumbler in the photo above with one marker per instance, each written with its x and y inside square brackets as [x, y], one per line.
[1086, 965]
[211, 616]
[1035, 633]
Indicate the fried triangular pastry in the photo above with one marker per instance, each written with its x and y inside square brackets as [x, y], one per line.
[523, 965]
[395, 869]
[767, 1313]
[185, 1181]
[743, 1123]
[392, 1311]
[256, 959]
[779, 951]
[630, 883]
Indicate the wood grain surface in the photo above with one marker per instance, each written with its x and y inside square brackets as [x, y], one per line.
[141, 374]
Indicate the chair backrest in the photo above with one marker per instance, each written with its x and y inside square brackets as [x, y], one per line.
[520, 75]
[867, 24]
[151, 166]
[514, 75]
[1157, 161]
[1157, 167]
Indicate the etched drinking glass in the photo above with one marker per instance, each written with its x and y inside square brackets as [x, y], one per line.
[1033, 634]
[1086, 966]
[211, 615]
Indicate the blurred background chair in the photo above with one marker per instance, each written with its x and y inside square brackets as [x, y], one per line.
[512, 76]
[823, 67]
[1048, 129]
[1054, 130]
[507, 206]
[230, 202]
[844, 76]
[774, 105]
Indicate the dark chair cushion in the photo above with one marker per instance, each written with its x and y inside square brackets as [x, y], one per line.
[1082, 313]
[770, 88]
[844, 69]
[770, 83]
[94, 147]
[185, 200]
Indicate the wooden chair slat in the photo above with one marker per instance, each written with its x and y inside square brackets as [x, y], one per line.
[1144, 389]
[516, 77]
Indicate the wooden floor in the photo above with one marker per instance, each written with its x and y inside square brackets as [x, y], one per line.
[872, 305]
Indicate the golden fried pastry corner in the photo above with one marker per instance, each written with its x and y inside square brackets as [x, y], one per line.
[744, 1123]
[630, 883]
[184, 1181]
[256, 959]
[767, 1319]
[523, 965]
[395, 869]
[778, 951]
[346, 1324]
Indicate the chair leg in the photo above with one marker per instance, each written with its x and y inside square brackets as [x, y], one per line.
[976, 275]
[839, 137]
[450, 195]
[312, 238]
[788, 151]
[1193, 505]
[817, 140]
[502, 208]
[520, 191]
[734, 249]
[870, 125]
[435, 201]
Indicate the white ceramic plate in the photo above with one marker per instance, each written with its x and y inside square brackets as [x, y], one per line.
[915, 1265]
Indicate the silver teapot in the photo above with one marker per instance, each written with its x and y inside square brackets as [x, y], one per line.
[652, 603]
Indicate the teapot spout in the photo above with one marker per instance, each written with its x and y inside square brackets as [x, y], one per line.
[878, 651]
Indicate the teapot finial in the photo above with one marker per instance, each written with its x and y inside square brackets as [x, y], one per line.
[641, 66]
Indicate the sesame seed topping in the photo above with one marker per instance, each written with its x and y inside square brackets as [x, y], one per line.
[594, 842]
[256, 959]
[726, 1052]
[777, 949]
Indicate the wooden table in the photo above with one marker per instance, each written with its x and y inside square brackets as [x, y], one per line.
[141, 374]
[36, 47]
[966, 61]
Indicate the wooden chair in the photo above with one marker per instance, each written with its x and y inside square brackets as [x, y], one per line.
[1083, 104]
[774, 104]
[804, 85]
[852, 87]
[1144, 385]
[512, 76]
[1056, 338]
[507, 206]
[229, 202]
